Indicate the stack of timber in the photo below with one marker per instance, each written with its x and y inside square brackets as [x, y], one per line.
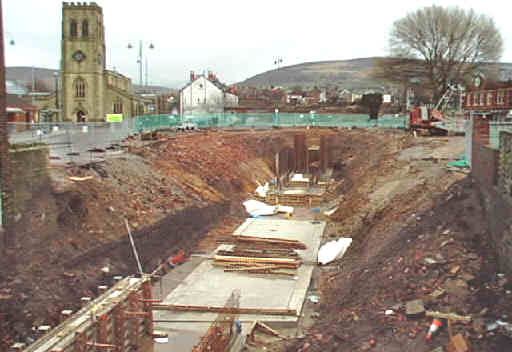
[295, 198]
[259, 255]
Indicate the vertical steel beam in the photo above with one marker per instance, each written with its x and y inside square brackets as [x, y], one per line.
[324, 153]
[300, 153]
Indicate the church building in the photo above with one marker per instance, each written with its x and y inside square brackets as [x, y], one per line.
[88, 90]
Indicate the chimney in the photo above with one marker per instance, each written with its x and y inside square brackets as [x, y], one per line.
[211, 77]
[192, 76]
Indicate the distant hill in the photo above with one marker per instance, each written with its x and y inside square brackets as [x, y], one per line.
[349, 74]
[45, 79]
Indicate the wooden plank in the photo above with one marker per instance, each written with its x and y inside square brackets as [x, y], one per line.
[260, 254]
[266, 329]
[281, 261]
[252, 268]
[229, 310]
[451, 316]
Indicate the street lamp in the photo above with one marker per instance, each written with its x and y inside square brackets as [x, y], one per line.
[277, 61]
[56, 75]
[139, 59]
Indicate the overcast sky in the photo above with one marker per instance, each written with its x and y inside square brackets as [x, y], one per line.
[234, 38]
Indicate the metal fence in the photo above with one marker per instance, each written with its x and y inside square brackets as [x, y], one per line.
[78, 141]
[71, 141]
[245, 120]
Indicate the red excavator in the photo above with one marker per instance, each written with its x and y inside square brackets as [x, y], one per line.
[423, 118]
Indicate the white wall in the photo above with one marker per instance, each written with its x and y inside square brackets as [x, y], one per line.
[230, 100]
[201, 96]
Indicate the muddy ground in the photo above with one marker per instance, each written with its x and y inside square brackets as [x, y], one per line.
[419, 233]
[418, 230]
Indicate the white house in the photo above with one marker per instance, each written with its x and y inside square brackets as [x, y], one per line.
[205, 94]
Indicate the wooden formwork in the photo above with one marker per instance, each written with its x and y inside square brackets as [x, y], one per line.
[117, 320]
[305, 199]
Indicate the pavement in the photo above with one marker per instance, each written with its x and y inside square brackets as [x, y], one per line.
[69, 142]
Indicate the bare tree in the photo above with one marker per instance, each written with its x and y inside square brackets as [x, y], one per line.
[401, 72]
[450, 42]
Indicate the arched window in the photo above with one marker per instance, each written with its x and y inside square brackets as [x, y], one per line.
[79, 88]
[118, 106]
[85, 28]
[73, 29]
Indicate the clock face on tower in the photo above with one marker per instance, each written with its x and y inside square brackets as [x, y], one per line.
[79, 56]
[478, 81]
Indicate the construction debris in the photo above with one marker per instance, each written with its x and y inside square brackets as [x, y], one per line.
[77, 178]
[220, 334]
[457, 344]
[415, 308]
[267, 330]
[451, 316]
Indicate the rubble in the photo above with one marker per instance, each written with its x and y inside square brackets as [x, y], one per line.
[415, 308]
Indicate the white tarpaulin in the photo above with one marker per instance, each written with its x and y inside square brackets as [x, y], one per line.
[333, 250]
[299, 178]
[262, 190]
[284, 209]
[330, 211]
[256, 208]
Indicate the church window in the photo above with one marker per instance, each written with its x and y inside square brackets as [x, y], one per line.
[73, 29]
[85, 28]
[118, 106]
[80, 88]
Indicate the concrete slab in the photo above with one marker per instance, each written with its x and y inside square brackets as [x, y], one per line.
[209, 285]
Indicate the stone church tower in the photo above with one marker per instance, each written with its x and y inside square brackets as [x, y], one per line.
[82, 62]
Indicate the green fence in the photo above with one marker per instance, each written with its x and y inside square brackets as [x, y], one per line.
[151, 122]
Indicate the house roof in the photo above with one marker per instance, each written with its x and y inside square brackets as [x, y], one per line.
[15, 87]
[223, 87]
[16, 101]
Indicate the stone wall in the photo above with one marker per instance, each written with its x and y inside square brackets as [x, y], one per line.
[498, 199]
[484, 165]
[28, 175]
[505, 165]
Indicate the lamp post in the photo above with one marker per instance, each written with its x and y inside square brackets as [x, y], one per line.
[277, 61]
[56, 75]
[139, 59]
